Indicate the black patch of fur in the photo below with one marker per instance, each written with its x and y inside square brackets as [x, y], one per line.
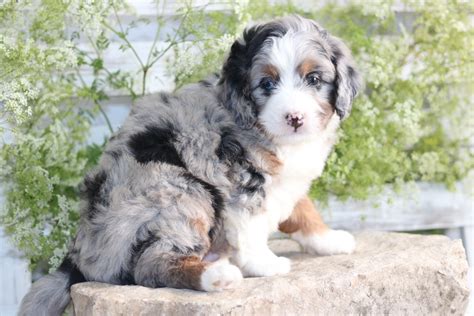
[144, 239]
[155, 144]
[91, 260]
[69, 268]
[125, 278]
[92, 191]
[333, 96]
[188, 250]
[352, 79]
[352, 73]
[114, 154]
[165, 98]
[206, 83]
[229, 149]
[139, 247]
[256, 181]
[216, 196]
[217, 201]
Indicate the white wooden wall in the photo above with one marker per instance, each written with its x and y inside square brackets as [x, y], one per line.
[15, 278]
[430, 207]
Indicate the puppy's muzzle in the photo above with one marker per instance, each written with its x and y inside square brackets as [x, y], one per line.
[295, 120]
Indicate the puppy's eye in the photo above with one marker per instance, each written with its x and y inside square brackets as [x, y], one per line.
[268, 84]
[312, 79]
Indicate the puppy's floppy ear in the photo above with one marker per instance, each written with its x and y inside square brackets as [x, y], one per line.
[348, 81]
[235, 78]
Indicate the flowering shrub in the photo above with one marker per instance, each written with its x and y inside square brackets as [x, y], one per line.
[410, 124]
[44, 154]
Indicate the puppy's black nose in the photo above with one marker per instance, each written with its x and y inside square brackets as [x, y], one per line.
[295, 120]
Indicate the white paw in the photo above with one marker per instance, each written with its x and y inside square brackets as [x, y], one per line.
[220, 276]
[269, 266]
[331, 242]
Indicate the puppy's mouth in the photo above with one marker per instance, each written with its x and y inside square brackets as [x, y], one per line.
[294, 134]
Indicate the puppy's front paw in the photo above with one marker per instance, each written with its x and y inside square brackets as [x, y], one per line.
[220, 276]
[269, 266]
[331, 242]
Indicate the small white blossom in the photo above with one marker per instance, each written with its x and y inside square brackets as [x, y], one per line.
[240, 9]
[428, 165]
[56, 259]
[61, 57]
[15, 96]
[186, 62]
[89, 15]
[224, 42]
[407, 116]
[379, 8]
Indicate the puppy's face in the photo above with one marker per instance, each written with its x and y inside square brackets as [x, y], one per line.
[291, 78]
[292, 81]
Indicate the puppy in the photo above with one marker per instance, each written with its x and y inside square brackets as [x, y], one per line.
[189, 189]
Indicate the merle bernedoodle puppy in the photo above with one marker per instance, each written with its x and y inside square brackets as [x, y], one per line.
[188, 190]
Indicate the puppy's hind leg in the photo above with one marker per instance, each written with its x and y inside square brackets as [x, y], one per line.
[169, 269]
[306, 226]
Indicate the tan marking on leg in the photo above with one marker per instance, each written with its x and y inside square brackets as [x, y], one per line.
[305, 218]
[201, 226]
[189, 270]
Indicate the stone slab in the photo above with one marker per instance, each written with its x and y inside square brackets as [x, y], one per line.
[389, 274]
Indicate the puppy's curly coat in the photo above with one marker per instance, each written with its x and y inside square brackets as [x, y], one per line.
[188, 190]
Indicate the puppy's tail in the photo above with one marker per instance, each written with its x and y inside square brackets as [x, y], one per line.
[50, 295]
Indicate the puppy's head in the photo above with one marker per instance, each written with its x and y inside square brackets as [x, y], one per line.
[290, 77]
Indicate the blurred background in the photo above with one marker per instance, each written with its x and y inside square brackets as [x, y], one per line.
[70, 71]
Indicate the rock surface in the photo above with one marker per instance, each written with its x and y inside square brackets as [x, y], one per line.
[389, 274]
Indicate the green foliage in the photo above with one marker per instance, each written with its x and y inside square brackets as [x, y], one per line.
[410, 124]
[44, 153]
[40, 162]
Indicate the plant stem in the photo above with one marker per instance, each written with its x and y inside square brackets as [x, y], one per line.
[173, 42]
[104, 114]
[145, 71]
[107, 120]
[123, 36]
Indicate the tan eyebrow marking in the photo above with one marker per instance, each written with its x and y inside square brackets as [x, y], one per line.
[306, 67]
[271, 71]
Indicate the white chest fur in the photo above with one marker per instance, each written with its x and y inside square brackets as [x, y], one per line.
[302, 163]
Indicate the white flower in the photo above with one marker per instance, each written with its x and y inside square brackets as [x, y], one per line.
[428, 165]
[379, 8]
[224, 42]
[58, 256]
[61, 57]
[407, 115]
[239, 7]
[368, 109]
[89, 15]
[15, 96]
[186, 62]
